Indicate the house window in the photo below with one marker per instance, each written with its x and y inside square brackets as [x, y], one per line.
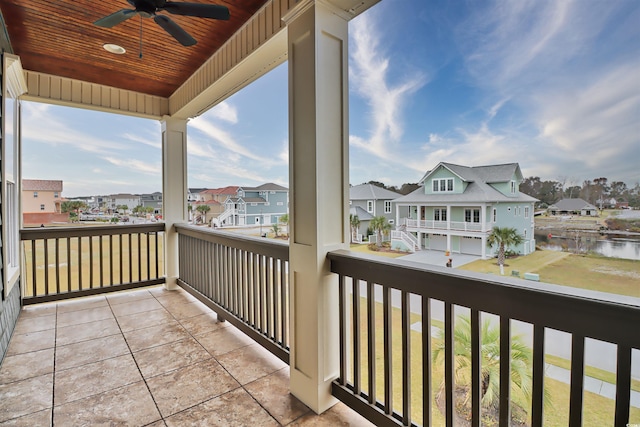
[443, 185]
[525, 233]
[41, 207]
[280, 203]
[35, 194]
[55, 195]
[495, 215]
[387, 206]
[526, 211]
[370, 206]
[439, 214]
[472, 215]
[513, 187]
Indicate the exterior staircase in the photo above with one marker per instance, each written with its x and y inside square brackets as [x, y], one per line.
[407, 238]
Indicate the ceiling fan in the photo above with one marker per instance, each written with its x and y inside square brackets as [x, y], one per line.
[149, 8]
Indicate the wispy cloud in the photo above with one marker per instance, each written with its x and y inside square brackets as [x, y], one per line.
[136, 165]
[224, 111]
[370, 78]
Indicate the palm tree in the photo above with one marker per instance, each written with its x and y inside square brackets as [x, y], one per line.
[521, 371]
[203, 209]
[284, 220]
[503, 237]
[380, 225]
[355, 224]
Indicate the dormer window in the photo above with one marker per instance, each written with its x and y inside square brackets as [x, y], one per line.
[442, 185]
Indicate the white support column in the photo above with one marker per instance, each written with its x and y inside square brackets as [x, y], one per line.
[174, 190]
[319, 180]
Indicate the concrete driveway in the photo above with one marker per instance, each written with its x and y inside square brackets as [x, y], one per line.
[438, 258]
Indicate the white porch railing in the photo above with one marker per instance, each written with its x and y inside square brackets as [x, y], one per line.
[428, 224]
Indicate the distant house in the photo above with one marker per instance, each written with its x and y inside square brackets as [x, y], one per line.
[215, 198]
[374, 200]
[573, 207]
[456, 207]
[193, 194]
[365, 220]
[153, 200]
[129, 200]
[262, 205]
[42, 201]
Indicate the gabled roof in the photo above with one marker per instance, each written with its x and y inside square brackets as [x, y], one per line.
[371, 192]
[269, 186]
[361, 213]
[208, 202]
[231, 189]
[196, 190]
[572, 205]
[490, 173]
[42, 185]
[476, 192]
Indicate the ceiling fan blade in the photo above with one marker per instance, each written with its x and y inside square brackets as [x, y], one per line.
[115, 18]
[175, 30]
[197, 9]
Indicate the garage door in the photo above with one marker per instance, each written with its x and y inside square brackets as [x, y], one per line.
[471, 245]
[437, 242]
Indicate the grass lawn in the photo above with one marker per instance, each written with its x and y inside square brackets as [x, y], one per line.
[596, 273]
[598, 410]
[95, 266]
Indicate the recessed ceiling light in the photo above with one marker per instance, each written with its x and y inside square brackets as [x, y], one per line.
[114, 48]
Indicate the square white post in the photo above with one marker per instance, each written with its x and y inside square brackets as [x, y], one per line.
[319, 180]
[174, 191]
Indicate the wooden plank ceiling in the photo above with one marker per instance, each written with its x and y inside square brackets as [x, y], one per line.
[59, 38]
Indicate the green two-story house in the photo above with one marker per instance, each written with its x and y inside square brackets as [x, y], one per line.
[456, 208]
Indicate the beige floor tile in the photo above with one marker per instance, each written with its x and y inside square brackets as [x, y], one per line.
[203, 324]
[84, 316]
[26, 365]
[272, 392]
[189, 386]
[38, 310]
[32, 341]
[95, 378]
[78, 354]
[165, 358]
[249, 363]
[37, 419]
[131, 405]
[138, 306]
[165, 297]
[86, 303]
[101, 328]
[154, 336]
[224, 340]
[186, 310]
[145, 320]
[35, 324]
[26, 397]
[338, 416]
[215, 412]
[128, 296]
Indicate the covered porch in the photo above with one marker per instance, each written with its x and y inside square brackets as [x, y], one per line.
[330, 325]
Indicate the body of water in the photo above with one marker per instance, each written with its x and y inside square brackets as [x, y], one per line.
[610, 245]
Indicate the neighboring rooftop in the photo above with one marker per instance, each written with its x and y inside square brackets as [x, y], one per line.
[371, 192]
[42, 185]
[572, 205]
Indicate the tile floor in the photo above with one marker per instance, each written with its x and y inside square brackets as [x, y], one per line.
[147, 357]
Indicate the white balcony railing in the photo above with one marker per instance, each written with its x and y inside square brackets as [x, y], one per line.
[428, 224]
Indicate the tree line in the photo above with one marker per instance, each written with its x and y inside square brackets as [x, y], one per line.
[598, 191]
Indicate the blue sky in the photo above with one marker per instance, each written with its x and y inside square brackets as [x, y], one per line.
[552, 85]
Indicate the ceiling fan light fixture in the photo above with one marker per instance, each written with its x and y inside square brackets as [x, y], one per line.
[114, 48]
